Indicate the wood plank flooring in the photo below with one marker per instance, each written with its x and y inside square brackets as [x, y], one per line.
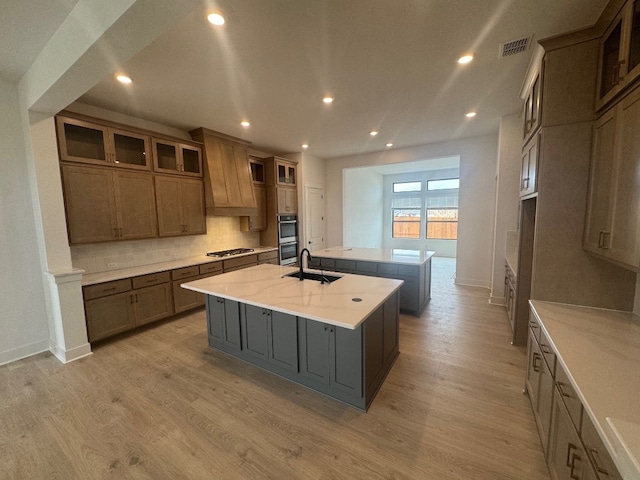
[159, 404]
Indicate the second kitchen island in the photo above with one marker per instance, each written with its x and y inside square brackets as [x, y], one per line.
[338, 338]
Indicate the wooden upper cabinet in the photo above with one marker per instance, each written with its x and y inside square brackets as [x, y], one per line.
[180, 206]
[287, 200]
[227, 174]
[285, 173]
[619, 53]
[177, 158]
[532, 95]
[86, 142]
[529, 167]
[103, 204]
[613, 208]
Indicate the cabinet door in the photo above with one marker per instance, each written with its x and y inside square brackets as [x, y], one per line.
[533, 371]
[345, 360]
[611, 62]
[129, 149]
[374, 346]
[283, 340]
[152, 303]
[285, 173]
[287, 200]
[89, 204]
[231, 317]
[601, 182]
[169, 206]
[135, 205]
[184, 299]
[566, 456]
[390, 327]
[254, 321]
[529, 167]
[623, 243]
[165, 156]
[597, 452]
[545, 401]
[215, 319]
[193, 213]
[259, 220]
[314, 350]
[107, 316]
[191, 160]
[409, 295]
[80, 141]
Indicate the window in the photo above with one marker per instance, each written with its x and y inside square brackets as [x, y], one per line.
[442, 217]
[437, 205]
[406, 216]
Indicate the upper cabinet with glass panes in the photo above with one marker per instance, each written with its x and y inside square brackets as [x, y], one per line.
[619, 53]
[87, 142]
[177, 158]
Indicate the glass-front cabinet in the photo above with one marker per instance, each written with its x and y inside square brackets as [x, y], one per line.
[619, 53]
[177, 158]
[86, 142]
[286, 173]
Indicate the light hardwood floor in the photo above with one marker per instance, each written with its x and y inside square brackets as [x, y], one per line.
[159, 404]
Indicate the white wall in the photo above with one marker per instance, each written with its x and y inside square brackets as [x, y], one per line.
[23, 319]
[507, 197]
[477, 198]
[363, 208]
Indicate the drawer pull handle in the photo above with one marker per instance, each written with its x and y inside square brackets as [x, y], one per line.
[536, 367]
[560, 386]
[594, 458]
[109, 289]
[571, 460]
[545, 349]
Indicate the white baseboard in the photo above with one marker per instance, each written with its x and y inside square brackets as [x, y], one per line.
[66, 356]
[23, 352]
[497, 301]
[470, 282]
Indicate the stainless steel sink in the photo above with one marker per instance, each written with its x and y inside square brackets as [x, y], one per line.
[319, 277]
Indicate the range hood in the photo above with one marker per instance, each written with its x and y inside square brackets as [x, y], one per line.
[228, 185]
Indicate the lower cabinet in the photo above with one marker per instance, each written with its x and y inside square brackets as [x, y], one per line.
[114, 307]
[349, 365]
[572, 447]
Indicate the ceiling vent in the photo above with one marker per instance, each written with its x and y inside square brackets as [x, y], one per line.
[514, 47]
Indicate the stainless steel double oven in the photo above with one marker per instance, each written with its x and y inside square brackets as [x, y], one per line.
[288, 239]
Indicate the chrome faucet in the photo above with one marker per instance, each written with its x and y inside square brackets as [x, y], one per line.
[308, 258]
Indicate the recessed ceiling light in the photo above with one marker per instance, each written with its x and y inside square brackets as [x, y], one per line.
[244, 123]
[470, 114]
[328, 99]
[216, 19]
[305, 145]
[466, 58]
[389, 144]
[124, 79]
[373, 133]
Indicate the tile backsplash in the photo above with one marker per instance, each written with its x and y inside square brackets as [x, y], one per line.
[222, 233]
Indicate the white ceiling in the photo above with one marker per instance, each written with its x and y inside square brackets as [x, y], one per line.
[389, 63]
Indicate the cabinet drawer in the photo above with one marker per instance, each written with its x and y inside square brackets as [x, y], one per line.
[313, 262]
[266, 256]
[366, 267]
[327, 263]
[408, 270]
[211, 268]
[107, 288]
[569, 397]
[346, 265]
[152, 279]
[185, 272]
[547, 352]
[240, 262]
[534, 326]
[388, 269]
[597, 452]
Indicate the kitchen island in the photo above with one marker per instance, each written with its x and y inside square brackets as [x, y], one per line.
[338, 338]
[413, 267]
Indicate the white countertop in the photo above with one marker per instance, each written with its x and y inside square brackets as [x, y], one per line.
[383, 255]
[600, 350]
[110, 275]
[266, 286]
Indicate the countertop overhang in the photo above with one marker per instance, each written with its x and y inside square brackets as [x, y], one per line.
[382, 255]
[346, 302]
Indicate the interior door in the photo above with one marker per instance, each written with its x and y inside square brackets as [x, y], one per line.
[314, 218]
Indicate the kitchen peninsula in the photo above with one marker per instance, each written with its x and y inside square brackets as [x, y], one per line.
[339, 338]
[413, 267]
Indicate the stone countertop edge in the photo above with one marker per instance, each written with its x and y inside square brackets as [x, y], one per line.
[380, 255]
[118, 274]
[266, 286]
[600, 351]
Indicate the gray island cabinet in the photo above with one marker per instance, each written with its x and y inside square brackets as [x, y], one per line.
[311, 333]
[413, 267]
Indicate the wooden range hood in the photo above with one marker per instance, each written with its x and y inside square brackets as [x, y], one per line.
[228, 186]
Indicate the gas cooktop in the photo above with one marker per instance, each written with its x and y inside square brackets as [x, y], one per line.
[228, 253]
